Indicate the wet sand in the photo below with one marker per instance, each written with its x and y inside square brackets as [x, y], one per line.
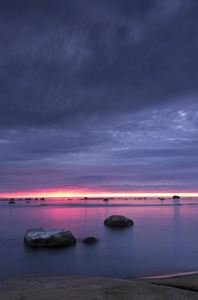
[68, 287]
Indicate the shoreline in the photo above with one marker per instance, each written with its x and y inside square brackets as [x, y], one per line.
[177, 274]
[63, 286]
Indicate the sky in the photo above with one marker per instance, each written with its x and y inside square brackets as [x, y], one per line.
[98, 97]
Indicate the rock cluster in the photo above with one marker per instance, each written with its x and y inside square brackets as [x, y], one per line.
[41, 237]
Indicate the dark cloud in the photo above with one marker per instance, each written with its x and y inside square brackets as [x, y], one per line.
[156, 149]
[68, 60]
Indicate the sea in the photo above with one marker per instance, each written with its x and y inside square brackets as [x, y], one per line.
[162, 242]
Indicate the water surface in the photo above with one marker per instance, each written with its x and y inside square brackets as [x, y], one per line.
[162, 241]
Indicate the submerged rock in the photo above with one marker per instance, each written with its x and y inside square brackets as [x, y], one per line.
[49, 238]
[118, 220]
[90, 240]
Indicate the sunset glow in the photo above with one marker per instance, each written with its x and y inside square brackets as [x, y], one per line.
[98, 194]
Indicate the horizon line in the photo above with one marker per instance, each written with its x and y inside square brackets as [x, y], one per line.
[99, 195]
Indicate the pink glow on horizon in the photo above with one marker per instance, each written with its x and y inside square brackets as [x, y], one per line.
[96, 193]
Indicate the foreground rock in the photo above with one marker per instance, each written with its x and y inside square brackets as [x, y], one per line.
[186, 282]
[118, 220]
[49, 238]
[68, 287]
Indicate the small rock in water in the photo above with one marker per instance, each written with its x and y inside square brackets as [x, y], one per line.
[49, 238]
[118, 220]
[11, 201]
[105, 199]
[176, 197]
[90, 240]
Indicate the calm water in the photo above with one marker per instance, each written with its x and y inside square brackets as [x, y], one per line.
[163, 240]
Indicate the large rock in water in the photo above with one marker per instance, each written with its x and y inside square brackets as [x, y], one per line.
[49, 238]
[118, 220]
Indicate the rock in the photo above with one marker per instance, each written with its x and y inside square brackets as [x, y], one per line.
[49, 238]
[118, 220]
[105, 199]
[186, 282]
[90, 240]
[176, 197]
[42, 199]
[11, 202]
[70, 287]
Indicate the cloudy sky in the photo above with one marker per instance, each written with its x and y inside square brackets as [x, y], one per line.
[98, 96]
